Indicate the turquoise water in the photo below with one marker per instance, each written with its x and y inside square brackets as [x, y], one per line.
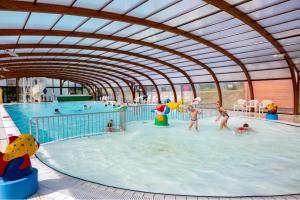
[22, 113]
[174, 160]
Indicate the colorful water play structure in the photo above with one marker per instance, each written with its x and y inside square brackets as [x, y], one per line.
[18, 180]
[162, 110]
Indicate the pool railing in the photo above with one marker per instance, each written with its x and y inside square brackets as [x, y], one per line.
[60, 127]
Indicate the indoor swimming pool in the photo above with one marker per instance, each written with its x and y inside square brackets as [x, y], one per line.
[22, 113]
[174, 160]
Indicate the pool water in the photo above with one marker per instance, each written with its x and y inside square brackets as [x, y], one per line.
[22, 113]
[175, 160]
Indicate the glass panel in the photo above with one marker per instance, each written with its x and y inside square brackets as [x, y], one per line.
[121, 6]
[270, 74]
[41, 21]
[266, 65]
[232, 76]
[88, 41]
[94, 5]
[112, 27]
[145, 33]
[71, 40]
[149, 7]
[160, 36]
[255, 5]
[116, 45]
[283, 27]
[51, 40]
[130, 30]
[103, 43]
[275, 10]
[192, 15]
[207, 92]
[12, 20]
[30, 39]
[69, 22]
[176, 9]
[294, 15]
[289, 33]
[216, 18]
[92, 25]
[232, 91]
[57, 2]
[8, 39]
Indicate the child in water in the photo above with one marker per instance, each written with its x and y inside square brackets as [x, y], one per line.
[56, 111]
[244, 129]
[194, 117]
[222, 113]
[109, 126]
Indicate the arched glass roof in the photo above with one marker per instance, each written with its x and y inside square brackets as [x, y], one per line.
[153, 42]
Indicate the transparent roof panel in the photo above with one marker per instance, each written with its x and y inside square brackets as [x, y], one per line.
[8, 39]
[92, 25]
[94, 5]
[88, 41]
[12, 20]
[130, 30]
[195, 14]
[176, 9]
[71, 40]
[41, 21]
[256, 4]
[112, 28]
[275, 10]
[149, 7]
[145, 33]
[57, 2]
[30, 39]
[69, 22]
[51, 39]
[121, 6]
[286, 17]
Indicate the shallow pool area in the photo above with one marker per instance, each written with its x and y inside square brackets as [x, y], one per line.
[175, 160]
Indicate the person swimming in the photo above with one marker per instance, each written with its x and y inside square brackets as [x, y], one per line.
[244, 129]
[56, 111]
[194, 117]
[222, 113]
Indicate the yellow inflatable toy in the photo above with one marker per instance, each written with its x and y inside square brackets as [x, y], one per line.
[19, 146]
[172, 105]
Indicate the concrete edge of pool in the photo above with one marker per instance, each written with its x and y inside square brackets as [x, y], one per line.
[69, 187]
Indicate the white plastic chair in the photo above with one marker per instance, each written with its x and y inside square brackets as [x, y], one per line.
[240, 105]
[262, 105]
[252, 104]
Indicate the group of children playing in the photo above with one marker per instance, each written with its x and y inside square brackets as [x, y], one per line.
[222, 114]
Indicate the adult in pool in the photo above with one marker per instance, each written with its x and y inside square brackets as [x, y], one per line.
[222, 113]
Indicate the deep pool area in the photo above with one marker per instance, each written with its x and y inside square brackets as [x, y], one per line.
[175, 160]
[22, 113]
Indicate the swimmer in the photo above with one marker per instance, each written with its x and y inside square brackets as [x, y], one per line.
[105, 105]
[194, 117]
[222, 113]
[244, 129]
[85, 107]
[56, 111]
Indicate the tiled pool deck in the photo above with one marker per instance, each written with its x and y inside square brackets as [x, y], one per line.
[58, 186]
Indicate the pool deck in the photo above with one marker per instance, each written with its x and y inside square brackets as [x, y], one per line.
[57, 186]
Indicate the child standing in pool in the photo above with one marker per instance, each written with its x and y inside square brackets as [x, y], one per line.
[222, 113]
[194, 117]
[109, 126]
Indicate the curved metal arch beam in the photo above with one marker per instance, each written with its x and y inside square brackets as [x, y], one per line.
[17, 46]
[83, 76]
[82, 69]
[11, 32]
[102, 57]
[226, 7]
[57, 9]
[89, 74]
[74, 60]
[109, 50]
